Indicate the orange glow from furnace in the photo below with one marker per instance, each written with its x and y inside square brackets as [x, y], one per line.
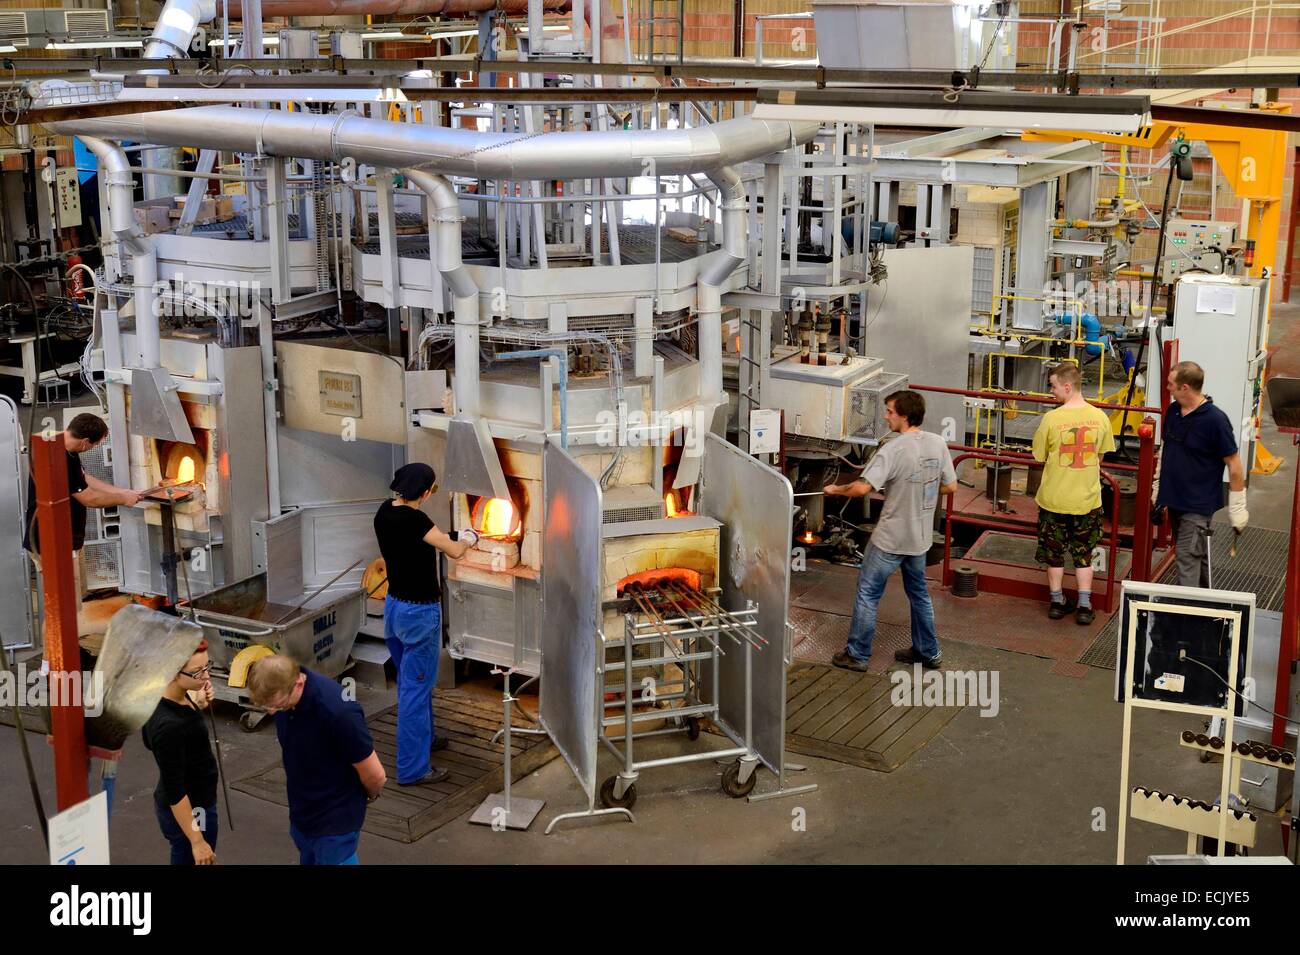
[498, 518]
[185, 470]
[670, 504]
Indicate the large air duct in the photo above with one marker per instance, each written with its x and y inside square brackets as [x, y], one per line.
[156, 410]
[453, 151]
[733, 205]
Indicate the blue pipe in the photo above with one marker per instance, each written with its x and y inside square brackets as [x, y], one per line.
[1091, 326]
[563, 355]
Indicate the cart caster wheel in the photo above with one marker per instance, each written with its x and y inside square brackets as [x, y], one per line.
[608, 800]
[692, 728]
[731, 784]
[1206, 757]
[249, 721]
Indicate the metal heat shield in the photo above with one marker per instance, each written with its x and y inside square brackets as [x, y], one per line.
[472, 465]
[15, 601]
[755, 505]
[571, 579]
[156, 410]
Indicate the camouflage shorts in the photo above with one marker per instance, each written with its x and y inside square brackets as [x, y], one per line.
[1073, 534]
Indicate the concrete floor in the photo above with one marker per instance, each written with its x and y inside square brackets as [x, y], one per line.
[1037, 783]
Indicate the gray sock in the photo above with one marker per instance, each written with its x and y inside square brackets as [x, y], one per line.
[1058, 596]
[1085, 599]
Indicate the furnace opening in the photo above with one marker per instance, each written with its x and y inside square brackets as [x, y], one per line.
[183, 463]
[499, 518]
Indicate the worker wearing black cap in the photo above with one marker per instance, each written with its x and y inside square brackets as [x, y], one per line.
[409, 542]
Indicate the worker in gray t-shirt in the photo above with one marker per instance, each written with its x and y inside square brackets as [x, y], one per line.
[912, 469]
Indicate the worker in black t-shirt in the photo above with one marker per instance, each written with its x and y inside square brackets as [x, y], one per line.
[185, 799]
[409, 542]
[84, 432]
[1199, 442]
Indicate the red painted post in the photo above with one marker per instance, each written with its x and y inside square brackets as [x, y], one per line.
[67, 717]
[1142, 536]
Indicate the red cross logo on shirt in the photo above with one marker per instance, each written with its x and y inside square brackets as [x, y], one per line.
[1078, 448]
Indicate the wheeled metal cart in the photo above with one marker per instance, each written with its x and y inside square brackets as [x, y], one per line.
[690, 631]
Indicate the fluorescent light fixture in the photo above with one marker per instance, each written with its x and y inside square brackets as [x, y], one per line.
[8, 49]
[389, 35]
[452, 33]
[234, 41]
[98, 45]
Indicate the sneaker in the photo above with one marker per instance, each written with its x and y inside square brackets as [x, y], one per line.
[911, 656]
[1058, 610]
[1084, 616]
[439, 742]
[434, 775]
[847, 661]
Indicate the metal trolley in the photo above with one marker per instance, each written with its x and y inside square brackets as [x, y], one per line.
[687, 628]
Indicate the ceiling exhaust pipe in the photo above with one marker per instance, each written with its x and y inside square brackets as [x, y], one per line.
[472, 463]
[156, 410]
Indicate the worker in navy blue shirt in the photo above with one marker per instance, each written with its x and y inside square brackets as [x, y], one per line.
[330, 765]
[1198, 441]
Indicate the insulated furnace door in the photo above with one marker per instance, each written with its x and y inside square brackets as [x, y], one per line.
[571, 577]
[755, 505]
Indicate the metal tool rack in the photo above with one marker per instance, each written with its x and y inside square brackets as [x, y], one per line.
[687, 628]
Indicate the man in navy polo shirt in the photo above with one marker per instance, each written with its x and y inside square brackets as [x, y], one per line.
[1198, 440]
[330, 764]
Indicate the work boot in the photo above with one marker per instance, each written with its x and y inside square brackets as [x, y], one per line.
[1084, 616]
[1058, 610]
[847, 661]
[435, 775]
[439, 742]
[911, 656]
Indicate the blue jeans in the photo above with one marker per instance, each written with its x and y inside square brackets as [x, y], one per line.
[326, 850]
[877, 565]
[182, 854]
[413, 634]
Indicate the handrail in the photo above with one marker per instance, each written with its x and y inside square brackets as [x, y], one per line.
[950, 518]
[1026, 396]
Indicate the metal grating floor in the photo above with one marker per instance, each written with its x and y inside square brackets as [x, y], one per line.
[1259, 568]
[1018, 550]
[850, 718]
[408, 814]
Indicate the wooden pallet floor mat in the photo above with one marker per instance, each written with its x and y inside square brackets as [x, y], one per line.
[406, 814]
[849, 717]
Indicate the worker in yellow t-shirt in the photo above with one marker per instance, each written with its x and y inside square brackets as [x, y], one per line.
[1070, 442]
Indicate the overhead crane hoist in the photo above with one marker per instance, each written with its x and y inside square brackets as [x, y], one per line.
[1253, 160]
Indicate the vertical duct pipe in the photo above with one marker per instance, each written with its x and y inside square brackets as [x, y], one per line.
[447, 219]
[708, 290]
[144, 261]
[178, 21]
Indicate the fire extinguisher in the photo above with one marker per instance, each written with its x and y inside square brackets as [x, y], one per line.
[76, 278]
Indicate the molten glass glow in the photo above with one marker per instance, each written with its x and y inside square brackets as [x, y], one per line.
[498, 518]
[185, 470]
[670, 504]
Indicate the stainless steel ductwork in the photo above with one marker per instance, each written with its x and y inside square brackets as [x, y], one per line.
[461, 152]
[156, 410]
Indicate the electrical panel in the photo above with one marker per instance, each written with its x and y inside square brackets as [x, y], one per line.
[1191, 244]
[67, 196]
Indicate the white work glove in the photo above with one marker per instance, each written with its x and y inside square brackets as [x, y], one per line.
[1155, 489]
[469, 536]
[1237, 513]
